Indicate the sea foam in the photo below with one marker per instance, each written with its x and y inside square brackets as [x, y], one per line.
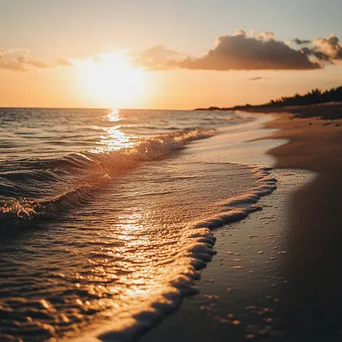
[198, 250]
[72, 178]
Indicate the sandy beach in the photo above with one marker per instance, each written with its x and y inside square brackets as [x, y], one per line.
[170, 171]
[315, 233]
[276, 273]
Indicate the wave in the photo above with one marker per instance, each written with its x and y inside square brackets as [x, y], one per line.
[42, 186]
[197, 251]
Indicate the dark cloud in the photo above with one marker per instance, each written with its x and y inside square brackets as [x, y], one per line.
[21, 60]
[258, 51]
[324, 49]
[320, 55]
[302, 42]
[241, 52]
[330, 46]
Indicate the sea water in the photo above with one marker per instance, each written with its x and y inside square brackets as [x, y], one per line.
[106, 217]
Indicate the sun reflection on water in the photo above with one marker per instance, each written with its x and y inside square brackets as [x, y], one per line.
[115, 139]
[113, 115]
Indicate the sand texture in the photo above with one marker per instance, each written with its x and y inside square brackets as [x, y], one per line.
[314, 304]
[276, 276]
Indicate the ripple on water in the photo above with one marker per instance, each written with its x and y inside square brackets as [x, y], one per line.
[125, 255]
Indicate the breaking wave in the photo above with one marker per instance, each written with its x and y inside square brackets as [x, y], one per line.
[43, 186]
[197, 251]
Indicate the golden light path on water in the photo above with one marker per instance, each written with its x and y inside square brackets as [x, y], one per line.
[113, 115]
[161, 246]
[130, 226]
[115, 139]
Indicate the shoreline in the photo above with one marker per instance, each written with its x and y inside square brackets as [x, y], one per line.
[263, 184]
[241, 304]
[315, 234]
[242, 273]
[326, 110]
[308, 302]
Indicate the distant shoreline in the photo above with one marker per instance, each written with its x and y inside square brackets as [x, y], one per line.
[326, 111]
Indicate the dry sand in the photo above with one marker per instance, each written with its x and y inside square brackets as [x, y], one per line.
[314, 303]
[287, 285]
[315, 144]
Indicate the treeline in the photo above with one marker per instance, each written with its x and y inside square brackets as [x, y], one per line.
[313, 97]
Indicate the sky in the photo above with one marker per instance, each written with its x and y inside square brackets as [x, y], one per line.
[166, 54]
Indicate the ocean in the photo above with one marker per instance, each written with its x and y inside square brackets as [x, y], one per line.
[107, 217]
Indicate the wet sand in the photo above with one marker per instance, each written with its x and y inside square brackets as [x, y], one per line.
[276, 276]
[241, 290]
[313, 309]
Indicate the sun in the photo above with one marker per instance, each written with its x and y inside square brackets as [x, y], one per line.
[111, 81]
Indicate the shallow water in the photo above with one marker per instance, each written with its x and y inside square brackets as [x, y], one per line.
[106, 216]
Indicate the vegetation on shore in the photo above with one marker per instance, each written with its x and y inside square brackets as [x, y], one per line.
[311, 97]
[307, 105]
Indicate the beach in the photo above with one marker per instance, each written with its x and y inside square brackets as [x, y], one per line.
[170, 171]
[107, 216]
[316, 230]
[276, 273]
[130, 224]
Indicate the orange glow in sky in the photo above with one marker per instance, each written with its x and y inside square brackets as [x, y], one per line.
[111, 81]
[165, 54]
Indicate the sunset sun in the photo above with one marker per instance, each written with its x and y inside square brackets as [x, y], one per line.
[111, 81]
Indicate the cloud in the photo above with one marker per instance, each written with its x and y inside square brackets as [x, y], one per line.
[157, 57]
[330, 46]
[256, 78]
[301, 41]
[256, 51]
[242, 52]
[320, 55]
[326, 50]
[64, 62]
[21, 60]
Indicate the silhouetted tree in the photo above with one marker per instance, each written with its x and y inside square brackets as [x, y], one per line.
[312, 97]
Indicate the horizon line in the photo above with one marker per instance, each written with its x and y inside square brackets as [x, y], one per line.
[98, 108]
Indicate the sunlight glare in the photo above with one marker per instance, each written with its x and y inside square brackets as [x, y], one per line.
[113, 115]
[111, 81]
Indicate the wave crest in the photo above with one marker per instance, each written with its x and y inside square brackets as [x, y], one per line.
[43, 186]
